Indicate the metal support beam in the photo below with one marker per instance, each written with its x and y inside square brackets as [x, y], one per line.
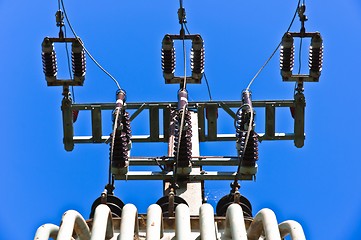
[271, 119]
[68, 129]
[96, 114]
[167, 176]
[212, 108]
[299, 124]
[212, 115]
[154, 123]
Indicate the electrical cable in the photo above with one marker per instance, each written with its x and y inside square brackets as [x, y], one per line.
[208, 88]
[246, 140]
[204, 74]
[300, 57]
[184, 62]
[184, 88]
[185, 26]
[69, 65]
[248, 87]
[299, 64]
[86, 50]
[274, 52]
[117, 113]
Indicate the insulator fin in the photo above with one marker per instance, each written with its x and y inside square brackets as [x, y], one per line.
[121, 143]
[49, 58]
[78, 59]
[315, 60]
[168, 55]
[185, 137]
[287, 55]
[197, 55]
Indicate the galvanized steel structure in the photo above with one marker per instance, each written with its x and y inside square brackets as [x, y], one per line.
[182, 213]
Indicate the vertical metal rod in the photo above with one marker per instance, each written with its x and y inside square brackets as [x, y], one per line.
[270, 120]
[154, 122]
[211, 114]
[96, 115]
[166, 123]
[201, 124]
[299, 125]
[68, 128]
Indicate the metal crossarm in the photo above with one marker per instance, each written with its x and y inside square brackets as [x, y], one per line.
[207, 120]
[167, 176]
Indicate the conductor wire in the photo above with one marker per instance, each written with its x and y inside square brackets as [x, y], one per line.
[184, 88]
[69, 67]
[86, 50]
[112, 144]
[204, 74]
[246, 140]
[274, 52]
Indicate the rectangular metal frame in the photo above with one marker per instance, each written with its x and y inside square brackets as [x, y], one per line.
[202, 108]
[54, 81]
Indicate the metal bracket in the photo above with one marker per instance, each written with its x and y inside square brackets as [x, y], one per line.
[313, 76]
[47, 45]
[197, 42]
[211, 134]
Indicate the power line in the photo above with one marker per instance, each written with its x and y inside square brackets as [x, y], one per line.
[86, 50]
[181, 21]
[69, 67]
[204, 74]
[274, 52]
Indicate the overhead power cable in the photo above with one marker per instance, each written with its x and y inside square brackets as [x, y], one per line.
[115, 126]
[69, 65]
[204, 74]
[181, 15]
[86, 50]
[248, 87]
[274, 52]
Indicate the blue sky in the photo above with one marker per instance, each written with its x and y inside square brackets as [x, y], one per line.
[317, 185]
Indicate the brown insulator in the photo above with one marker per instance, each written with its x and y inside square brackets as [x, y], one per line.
[287, 55]
[49, 58]
[197, 55]
[168, 55]
[250, 155]
[121, 143]
[315, 60]
[185, 137]
[78, 59]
